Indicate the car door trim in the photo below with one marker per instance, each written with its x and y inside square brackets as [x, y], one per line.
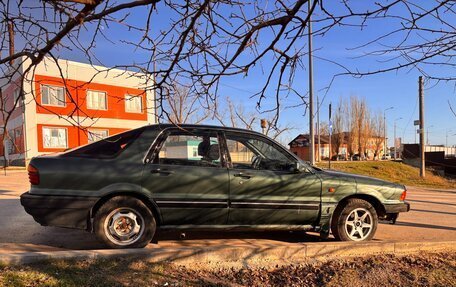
[216, 203]
[191, 204]
[274, 205]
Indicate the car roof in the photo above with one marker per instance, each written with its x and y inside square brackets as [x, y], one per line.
[195, 126]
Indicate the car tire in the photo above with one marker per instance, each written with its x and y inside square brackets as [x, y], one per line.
[356, 220]
[124, 222]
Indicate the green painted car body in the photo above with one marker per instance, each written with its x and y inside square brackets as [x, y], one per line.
[72, 186]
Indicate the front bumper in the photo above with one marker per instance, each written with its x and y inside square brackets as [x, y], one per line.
[396, 208]
[62, 211]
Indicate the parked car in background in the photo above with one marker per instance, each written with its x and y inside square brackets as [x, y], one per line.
[386, 157]
[127, 187]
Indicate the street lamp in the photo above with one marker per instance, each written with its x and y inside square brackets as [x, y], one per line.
[384, 131]
[395, 151]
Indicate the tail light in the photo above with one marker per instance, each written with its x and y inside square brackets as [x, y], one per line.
[33, 174]
[403, 195]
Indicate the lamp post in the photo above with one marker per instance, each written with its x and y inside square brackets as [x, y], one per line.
[311, 110]
[395, 151]
[384, 131]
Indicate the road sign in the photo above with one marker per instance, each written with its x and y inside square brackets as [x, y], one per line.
[416, 122]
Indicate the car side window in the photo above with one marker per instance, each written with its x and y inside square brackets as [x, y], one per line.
[257, 153]
[189, 149]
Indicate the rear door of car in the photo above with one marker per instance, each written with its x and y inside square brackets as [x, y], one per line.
[265, 189]
[188, 184]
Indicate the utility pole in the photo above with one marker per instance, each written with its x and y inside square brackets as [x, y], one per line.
[330, 133]
[395, 150]
[311, 110]
[421, 101]
[384, 130]
[318, 129]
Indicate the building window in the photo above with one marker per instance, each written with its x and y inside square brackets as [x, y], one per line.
[53, 96]
[55, 138]
[96, 135]
[133, 104]
[96, 100]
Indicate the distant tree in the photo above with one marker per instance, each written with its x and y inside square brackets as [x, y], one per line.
[234, 115]
[351, 124]
[378, 126]
[204, 41]
[338, 135]
[324, 129]
[182, 107]
[366, 131]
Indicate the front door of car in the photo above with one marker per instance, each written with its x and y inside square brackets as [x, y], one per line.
[188, 179]
[265, 187]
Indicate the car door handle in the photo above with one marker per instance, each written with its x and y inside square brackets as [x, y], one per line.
[162, 171]
[242, 175]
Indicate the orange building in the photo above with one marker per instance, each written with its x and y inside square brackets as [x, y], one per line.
[67, 104]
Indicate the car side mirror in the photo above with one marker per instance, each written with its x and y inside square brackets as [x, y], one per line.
[297, 167]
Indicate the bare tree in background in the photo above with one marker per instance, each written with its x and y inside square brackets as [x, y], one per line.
[234, 115]
[205, 41]
[183, 107]
[378, 126]
[338, 136]
[358, 111]
[366, 135]
[324, 129]
[351, 115]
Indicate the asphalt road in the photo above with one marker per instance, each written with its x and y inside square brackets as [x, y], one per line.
[432, 218]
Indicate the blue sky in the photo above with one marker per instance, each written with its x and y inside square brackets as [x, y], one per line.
[397, 89]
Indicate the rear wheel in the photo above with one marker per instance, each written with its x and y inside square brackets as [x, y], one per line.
[356, 220]
[124, 222]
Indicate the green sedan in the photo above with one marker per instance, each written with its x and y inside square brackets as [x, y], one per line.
[127, 187]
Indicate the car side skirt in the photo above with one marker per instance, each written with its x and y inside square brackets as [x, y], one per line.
[238, 227]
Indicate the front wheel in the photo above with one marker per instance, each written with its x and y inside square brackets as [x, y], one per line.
[124, 222]
[355, 221]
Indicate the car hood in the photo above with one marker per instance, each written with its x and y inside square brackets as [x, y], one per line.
[362, 179]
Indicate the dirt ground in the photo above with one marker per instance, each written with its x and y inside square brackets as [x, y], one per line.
[425, 269]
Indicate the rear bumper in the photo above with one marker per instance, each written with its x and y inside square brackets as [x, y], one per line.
[396, 208]
[62, 211]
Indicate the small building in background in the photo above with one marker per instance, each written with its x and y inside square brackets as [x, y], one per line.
[65, 104]
[300, 147]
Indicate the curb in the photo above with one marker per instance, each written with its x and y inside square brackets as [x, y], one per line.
[247, 255]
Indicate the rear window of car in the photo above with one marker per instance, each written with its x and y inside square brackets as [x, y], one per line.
[106, 148]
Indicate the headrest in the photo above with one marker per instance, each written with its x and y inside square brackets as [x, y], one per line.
[214, 152]
[203, 147]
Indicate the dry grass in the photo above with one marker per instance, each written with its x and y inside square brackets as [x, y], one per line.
[425, 269]
[393, 171]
